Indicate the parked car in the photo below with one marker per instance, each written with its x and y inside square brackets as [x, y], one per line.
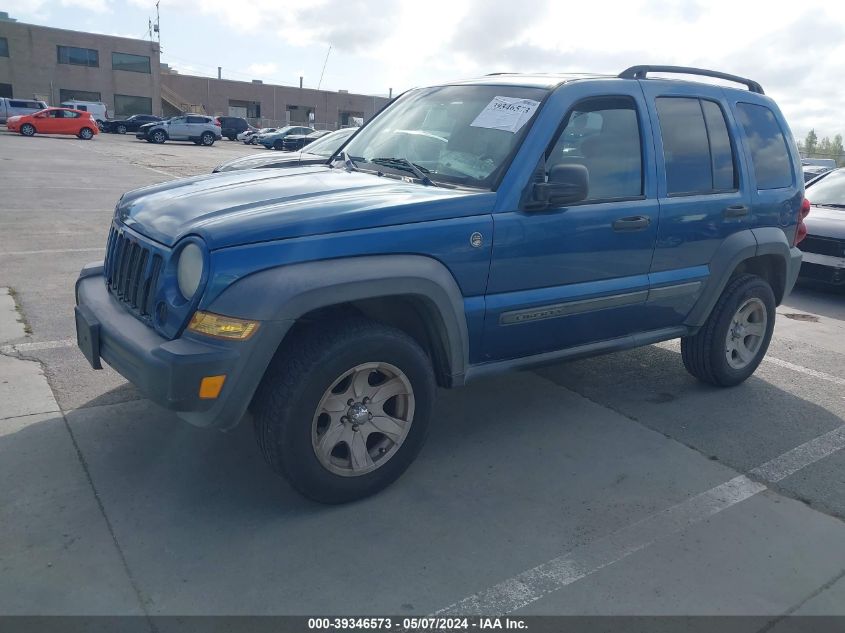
[14, 107]
[200, 129]
[251, 136]
[824, 246]
[295, 142]
[334, 300]
[231, 126]
[317, 153]
[55, 121]
[830, 163]
[97, 109]
[814, 171]
[274, 140]
[129, 124]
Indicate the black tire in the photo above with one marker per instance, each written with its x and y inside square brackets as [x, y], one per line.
[121, 129]
[207, 139]
[86, 134]
[705, 353]
[232, 137]
[277, 145]
[286, 402]
[158, 136]
[28, 129]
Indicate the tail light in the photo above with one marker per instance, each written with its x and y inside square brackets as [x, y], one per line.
[217, 123]
[801, 231]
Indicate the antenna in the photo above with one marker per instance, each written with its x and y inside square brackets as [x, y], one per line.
[156, 26]
[319, 83]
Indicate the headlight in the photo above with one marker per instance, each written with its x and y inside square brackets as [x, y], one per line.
[189, 270]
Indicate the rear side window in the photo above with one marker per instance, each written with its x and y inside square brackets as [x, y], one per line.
[696, 146]
[769, 151]
[197, 119]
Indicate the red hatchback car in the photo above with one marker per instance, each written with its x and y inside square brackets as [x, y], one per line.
[55, 121]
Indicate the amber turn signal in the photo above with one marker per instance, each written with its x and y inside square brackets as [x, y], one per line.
[210, 387]
[221, 326]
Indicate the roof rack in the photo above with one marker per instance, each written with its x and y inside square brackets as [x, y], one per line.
[641, 72]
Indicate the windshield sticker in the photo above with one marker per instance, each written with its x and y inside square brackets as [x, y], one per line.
[506, 113]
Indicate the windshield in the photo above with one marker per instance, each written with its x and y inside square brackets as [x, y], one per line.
[328, 145]
[461, 135]
[830, 190]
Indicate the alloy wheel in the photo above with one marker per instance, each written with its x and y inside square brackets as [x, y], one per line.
[746, 333]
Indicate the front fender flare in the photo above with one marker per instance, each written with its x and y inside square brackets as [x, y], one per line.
[288, 292]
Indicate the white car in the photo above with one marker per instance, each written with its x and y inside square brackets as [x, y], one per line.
[97, 109]
[250, 137]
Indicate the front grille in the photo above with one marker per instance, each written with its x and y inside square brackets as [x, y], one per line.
[132, 271]
[823, 246]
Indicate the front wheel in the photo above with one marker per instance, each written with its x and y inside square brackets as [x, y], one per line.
[86, 134]
[343, 411]
[27, 129]
[121, 129]
[158, 137]
[735, 337]
[277, 145]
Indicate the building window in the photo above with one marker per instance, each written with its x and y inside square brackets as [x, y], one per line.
[245, 109]
[355, 119]
[4, 47]
[300, 115]
[126, 105]
[78, 56]
[6, 91]
[67, 94]
[132, 63]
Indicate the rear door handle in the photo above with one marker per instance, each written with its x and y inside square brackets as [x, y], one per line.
[633, 223]
[735, 211]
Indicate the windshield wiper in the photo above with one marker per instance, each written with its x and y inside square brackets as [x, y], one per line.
[404, 163]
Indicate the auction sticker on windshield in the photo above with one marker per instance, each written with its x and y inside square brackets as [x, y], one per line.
[506, 113]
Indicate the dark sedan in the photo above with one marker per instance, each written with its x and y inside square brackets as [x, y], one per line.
[129, 124]
[318, 152]
[824, 246]
[296, 142]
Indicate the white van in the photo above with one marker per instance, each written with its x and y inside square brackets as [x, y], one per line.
[96, 108]
[15, 107]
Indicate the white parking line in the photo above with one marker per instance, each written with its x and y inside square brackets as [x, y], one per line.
[537, 582]
[52, 251]
[805, 370]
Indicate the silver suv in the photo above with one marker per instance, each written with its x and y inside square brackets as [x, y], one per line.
[201, 129]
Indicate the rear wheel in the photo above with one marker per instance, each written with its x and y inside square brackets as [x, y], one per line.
[735, 337]
[343, 411]
[28, 129]
[207, 139]
[86, 134]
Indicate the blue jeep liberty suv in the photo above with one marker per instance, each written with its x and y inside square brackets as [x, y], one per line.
[468, 228]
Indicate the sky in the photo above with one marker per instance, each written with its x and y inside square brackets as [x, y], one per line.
[796, 50]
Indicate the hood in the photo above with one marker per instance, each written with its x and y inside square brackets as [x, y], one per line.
[826, 222]
[247, 206]
[149, 124]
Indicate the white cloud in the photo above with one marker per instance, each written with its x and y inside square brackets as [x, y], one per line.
[261, 70]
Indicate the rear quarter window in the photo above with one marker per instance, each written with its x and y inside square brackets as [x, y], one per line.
[767, 145]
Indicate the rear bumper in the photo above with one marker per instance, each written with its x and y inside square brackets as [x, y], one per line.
[169, 372]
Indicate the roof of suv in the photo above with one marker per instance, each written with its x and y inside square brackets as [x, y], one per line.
[552, 80]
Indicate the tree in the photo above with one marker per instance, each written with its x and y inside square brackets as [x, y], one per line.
[811, 142]
[824, 148]
[837, 150]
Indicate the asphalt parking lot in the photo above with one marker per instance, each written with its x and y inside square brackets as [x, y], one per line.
[613, 485]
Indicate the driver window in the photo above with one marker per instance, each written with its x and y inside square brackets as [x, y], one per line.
[603, 135]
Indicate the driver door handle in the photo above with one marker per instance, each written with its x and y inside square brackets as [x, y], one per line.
[633, 223]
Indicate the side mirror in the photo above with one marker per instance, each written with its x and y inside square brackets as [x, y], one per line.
[567, 184]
